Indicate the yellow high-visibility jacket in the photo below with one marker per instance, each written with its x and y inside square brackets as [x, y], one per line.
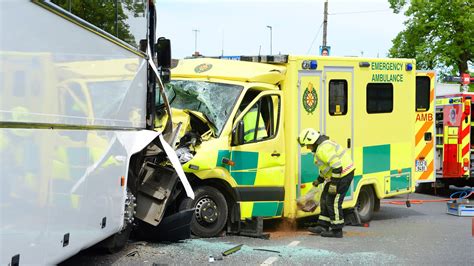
[250, 121]
[333, 160]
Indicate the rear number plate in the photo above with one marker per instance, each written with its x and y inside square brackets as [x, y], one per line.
[420, 166]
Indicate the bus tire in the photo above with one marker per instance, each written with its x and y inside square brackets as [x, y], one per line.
[117, 241]
[210, 211]
[365, 204]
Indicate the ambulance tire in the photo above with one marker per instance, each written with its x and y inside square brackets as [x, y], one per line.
[210, 214]
[366, 203]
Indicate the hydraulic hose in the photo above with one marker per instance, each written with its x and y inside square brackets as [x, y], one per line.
[464, 193]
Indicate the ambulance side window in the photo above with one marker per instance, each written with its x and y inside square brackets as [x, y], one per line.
[337, 97]
[261, 121]
[422, 94]
[379, 98]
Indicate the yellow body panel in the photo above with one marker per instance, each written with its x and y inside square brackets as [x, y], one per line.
[382, 145]
[218, 69]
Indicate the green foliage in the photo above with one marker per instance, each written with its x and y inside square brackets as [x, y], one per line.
[439, 34]
[102, 13]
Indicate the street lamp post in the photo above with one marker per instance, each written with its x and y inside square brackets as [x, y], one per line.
[195, 40]
[270, 27]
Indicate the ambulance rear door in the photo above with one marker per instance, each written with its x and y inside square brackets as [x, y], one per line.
[424, 127]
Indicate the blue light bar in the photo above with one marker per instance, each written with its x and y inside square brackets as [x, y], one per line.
[313, 64]
[409, 67]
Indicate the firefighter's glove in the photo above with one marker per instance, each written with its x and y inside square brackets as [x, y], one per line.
[332, 189]
[316, 183]
[318, 180]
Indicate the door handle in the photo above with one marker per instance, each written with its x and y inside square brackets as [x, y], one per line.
[275, 154]
[348, 143]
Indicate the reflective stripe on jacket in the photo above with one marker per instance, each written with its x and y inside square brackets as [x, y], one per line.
[330, 156]
[250, 120]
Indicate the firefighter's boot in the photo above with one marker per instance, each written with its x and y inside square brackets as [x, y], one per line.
[318, 229]
[332, 233]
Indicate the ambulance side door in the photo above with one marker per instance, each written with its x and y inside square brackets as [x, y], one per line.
[338, 112]
[260, 157]
[338, 106]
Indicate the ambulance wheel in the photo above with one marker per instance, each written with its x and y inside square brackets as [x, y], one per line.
[365, 204]
[210, 211]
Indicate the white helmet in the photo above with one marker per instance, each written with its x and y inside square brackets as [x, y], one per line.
[308, 136]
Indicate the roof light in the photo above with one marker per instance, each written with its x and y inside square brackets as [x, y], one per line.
[266, 58]
[364, 64]
[309, 64]
[409, 67]
[305, 64]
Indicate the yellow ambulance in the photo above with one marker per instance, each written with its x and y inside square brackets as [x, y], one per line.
[367, 105]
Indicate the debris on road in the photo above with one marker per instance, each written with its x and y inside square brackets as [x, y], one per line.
[268, 250]
[133, 253]
[232, 250]
[214, 258]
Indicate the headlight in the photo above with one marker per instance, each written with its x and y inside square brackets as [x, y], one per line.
[184, 154]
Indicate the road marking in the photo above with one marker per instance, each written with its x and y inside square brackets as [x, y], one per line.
[294, 244]
[269, 261]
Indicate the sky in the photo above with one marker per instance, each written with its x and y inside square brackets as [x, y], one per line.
[239, 27]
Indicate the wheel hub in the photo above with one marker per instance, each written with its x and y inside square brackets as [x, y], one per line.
[206, 211]
[362, 204]
[130, 204]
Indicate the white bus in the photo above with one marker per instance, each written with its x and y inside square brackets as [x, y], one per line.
[80, 161]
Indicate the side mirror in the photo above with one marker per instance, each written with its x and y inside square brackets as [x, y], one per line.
[238, 134]
[163, 50]
[165, 75]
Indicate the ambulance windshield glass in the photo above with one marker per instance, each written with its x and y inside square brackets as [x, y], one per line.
[214, 100]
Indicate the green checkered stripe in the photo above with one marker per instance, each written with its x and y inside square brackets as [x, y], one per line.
[374, 159]
[267, 209]
[245, 170]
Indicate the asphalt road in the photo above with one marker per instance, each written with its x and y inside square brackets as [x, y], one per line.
[423, 235]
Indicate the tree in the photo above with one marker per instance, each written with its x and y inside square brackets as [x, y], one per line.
[108, 15]
[439, 34]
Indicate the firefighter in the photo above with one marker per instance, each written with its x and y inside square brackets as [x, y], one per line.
[337, 169]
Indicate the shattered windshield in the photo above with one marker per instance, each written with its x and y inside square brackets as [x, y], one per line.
[214, 100]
